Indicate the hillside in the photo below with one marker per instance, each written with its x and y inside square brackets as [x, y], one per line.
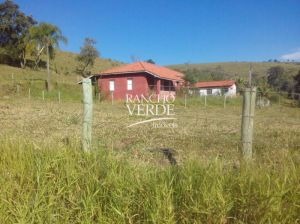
[239, 69]
[65, 63]
[62, 67]
[64, 77]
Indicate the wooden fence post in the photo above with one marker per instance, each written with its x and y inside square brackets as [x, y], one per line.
[184, 100]
[205, 100]
[112, 97]
[87, 114]
[43, 95]
[99, 97]
[18, 89]
[59, 96]
[247, 121]
[224, 101]
[29, 93]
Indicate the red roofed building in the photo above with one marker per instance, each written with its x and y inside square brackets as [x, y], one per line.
[139, 78]
[226, 87]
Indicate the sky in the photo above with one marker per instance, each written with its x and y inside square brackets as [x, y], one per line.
[177, 31]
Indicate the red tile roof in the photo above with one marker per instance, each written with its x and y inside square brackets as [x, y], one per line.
[225, 83]
[159, 71]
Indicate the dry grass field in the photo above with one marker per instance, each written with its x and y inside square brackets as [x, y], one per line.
[45, 177]
[201, 132]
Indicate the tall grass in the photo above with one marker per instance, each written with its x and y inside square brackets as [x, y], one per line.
[52, 183]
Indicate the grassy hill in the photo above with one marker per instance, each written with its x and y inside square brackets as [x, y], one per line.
[63, 72]
[65, 63]
[62, 67]
[240, 69]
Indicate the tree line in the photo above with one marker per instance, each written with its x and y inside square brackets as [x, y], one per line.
[24, 40]
[275, 79]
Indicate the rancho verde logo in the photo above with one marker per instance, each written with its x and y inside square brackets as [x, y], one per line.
[156, 108]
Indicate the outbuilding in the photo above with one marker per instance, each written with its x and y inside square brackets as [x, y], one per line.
[139, 78]
[216, 88]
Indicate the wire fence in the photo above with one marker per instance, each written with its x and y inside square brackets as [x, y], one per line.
[223, 114]
[34, 89]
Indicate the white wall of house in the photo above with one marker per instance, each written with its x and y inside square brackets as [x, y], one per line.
[217, 91]
[203, 92]
[231, 90]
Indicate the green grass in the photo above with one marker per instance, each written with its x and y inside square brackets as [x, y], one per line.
[46, 178]
[63, 76]
[55, 184]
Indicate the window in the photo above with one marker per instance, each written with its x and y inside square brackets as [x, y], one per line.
[209, 91]
[111, 85]
[129, 84]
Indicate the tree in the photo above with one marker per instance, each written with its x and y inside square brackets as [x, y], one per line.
[150, 61]
[275, 76]
[216, 76]
[14, 27]
[297, 84]
[192, 75]
[86, 58]
[263, 88]
[47, 37]
[241, 84]
[195, 75]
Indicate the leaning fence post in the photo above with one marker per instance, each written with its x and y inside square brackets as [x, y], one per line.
[87, 114]
[247, 121]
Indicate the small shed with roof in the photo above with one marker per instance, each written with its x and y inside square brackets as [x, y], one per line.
[215, 88]
[139, 78]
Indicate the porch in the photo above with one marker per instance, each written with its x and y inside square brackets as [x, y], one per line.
[162, 86]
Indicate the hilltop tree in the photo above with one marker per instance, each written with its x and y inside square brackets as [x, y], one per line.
[86, 58]
[14, 28]
[47, 37]
[150, 61]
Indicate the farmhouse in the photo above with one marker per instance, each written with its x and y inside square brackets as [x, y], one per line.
[139, 78]
[215, 88]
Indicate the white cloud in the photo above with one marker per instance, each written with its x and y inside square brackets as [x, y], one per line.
[292, 56]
